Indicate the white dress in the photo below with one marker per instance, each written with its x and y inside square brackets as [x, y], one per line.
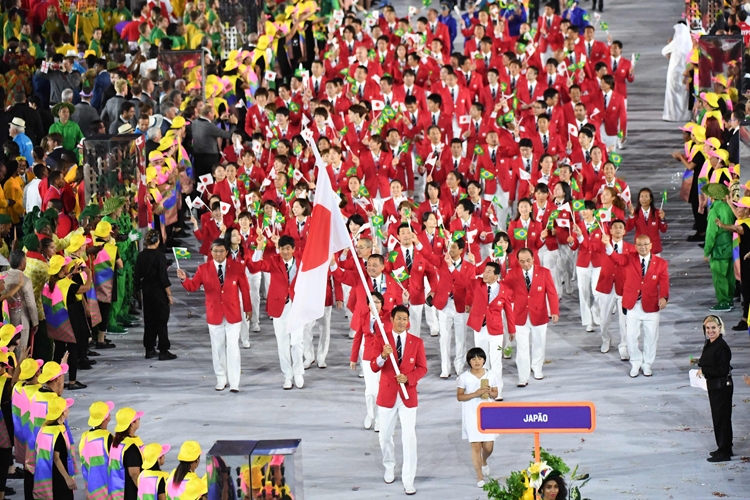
[676, 95]
[469, 383]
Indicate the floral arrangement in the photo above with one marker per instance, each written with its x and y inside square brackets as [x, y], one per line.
[523, 484]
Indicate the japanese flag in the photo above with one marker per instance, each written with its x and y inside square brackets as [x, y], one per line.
[562, 68]
[270, 76]
[464, 120]
[392, 242]
[524, 175]
[377, 105]
[248, 200]
[563, 222]
[206, 179]
[225, 208]
[572, 130]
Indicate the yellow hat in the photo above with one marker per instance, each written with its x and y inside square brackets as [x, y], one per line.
[177, 123]
[150, 174]
[713, 141]
[190, 451]
[99, 411]
[7, 332]
[722, 154]
[103, 230]
[231, 64]
[155, 155]
[89, 53]
[152, 453]
[195, 489]
[688, 127]
[51, 370]
[125, 417]
[743, 202]
[76, 242]
[720, 79]
[57, 406]
[699, 132]
[711, 98]
[21, 158]
[55, 264]
[29, 368]
[166, 143]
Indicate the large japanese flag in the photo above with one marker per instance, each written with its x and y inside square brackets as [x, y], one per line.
[327, 235]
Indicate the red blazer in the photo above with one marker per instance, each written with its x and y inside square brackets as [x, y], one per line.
[652, 287]
[476, 227]
[532, 303]
[391, 296]
[622, 75]
[443, 209]
[207, 233]
[599, 53]
[364, 333]
[255, 118]
[455, 282]
[533, 238]
[591, 248]
[612, 274]
[221, 305]
[551, 35]
[224, 192]
[321, 90]
[615, 116]
[502, 180]
[493, 311]
[485, 127]
[651, 227]
[461, 104]
[421, 268]
[378, 174]
[292, 229]
[279, 290]
[413, 365]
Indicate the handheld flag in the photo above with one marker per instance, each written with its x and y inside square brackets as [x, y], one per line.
[486, 174]
[578, 205]
[458, 235]
[181, 253]
[363, 191]
[400, 274]
[615, 159]
[478, 150]
[497, 251]
[520, 233]
[392, 256]
[225, 208]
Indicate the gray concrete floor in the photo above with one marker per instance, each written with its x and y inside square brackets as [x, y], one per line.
[653, 434]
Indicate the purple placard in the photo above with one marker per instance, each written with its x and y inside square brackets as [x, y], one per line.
[531, 418]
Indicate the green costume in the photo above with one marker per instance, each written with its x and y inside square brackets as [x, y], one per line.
[71, 133]
[718, 249]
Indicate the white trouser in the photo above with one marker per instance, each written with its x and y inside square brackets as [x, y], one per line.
[501, 211]
[606, 303]
[324, 325]
[290, 344]
[608, 140]
[266, 283]
[346, 289]
[430, 313]
[448, 317]
[372, 384]
[408, 419]
[566, 262]
[538, 337]
[485, 250]
[637, 319]
[587, 278]
[549, 259]
[415, 319]
[492, 347]
[225, 353]
[255, 297]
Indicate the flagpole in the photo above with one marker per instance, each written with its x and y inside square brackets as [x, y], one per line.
[176, 260]
[374, 312]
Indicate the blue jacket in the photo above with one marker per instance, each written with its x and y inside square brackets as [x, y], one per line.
[101, 83]
[578, 17]
[452, 25]
[26, 147]
[514, 20]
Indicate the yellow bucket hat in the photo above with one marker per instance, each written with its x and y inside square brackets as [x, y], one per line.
[125, 417]
[152, 453]
[57, 406]
[711, 98]
[51, 370]
[7, 332]
[103, 230]
[713, 141]
[190, 451]
[29, 368]
[166, 143]
[195, 489]
[720, 79]
[76, 242]
[55, 264]
[99, 411]
[177, 123]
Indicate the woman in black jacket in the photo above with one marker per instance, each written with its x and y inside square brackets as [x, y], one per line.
[715, 367]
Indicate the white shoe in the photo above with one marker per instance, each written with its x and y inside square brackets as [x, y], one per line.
[590, 328]
[486, 470]
[299, 381]
[480, 484]
[352, 333]
[287, 384]
[538, 375]
[322, 364]
[361, 374]
[256, 328]
[635, 371]
[389, 476]
[624, 354]
[246, 344]
[308, 364]
[368, 422]
[647, 371]
[376, 427]
[220, 387]
[499, 398]
[410, 490]
[605, 345]
[435, 334]
[445, 375]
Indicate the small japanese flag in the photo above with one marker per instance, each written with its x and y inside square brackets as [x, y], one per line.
[270, 76]
[378, 105]
[464, 120]
[563, 222]
[206, 179]
[225, 208]
[572, 130]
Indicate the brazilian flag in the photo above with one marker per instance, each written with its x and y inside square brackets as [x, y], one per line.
[478, 150]
[458, 235]
[520, 234]
[615, 159]
[351, 172]
[486, 174]
[578, 205]
[363, 191]
[392, 256]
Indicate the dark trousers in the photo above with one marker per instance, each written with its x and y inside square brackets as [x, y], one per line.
[72, 348]
[601, 6]
[6, 460]
[204, 164]
[745, 285]
[105, 309]
[28, 485]
[701, 221]
[720, 399]
[155, 319]
[43, 345]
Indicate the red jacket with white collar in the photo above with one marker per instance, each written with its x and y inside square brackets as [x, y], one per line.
[652, 287]
[413, 365]
[279, 290]
[532, 303]
[476, 297]
[611, 273]
[651, 227]
[222, 301]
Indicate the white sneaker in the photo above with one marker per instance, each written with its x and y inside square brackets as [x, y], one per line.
[445, 375]
[246, 344]
[256, 328]
[605, 345]
[299, 381]
[480, 484]
[486, 470]
[351, 333]
[361, 374]
[308, 364]
[376, 427]
[624, 354]
[322, 364]
[635, 371]
[389, 476]
[368, 422]
[220, 387]
[590, 328]
[410, 490]
[435, 334]
[538, 375]
[287, 384]
[647, 371]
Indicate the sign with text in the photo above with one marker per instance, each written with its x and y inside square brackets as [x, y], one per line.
[520, 417]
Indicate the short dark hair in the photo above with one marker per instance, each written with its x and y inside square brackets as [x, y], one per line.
[16, 258]
[398, 309]
[286, 240]
[495, 267]
[475, 352]
[219, 242]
